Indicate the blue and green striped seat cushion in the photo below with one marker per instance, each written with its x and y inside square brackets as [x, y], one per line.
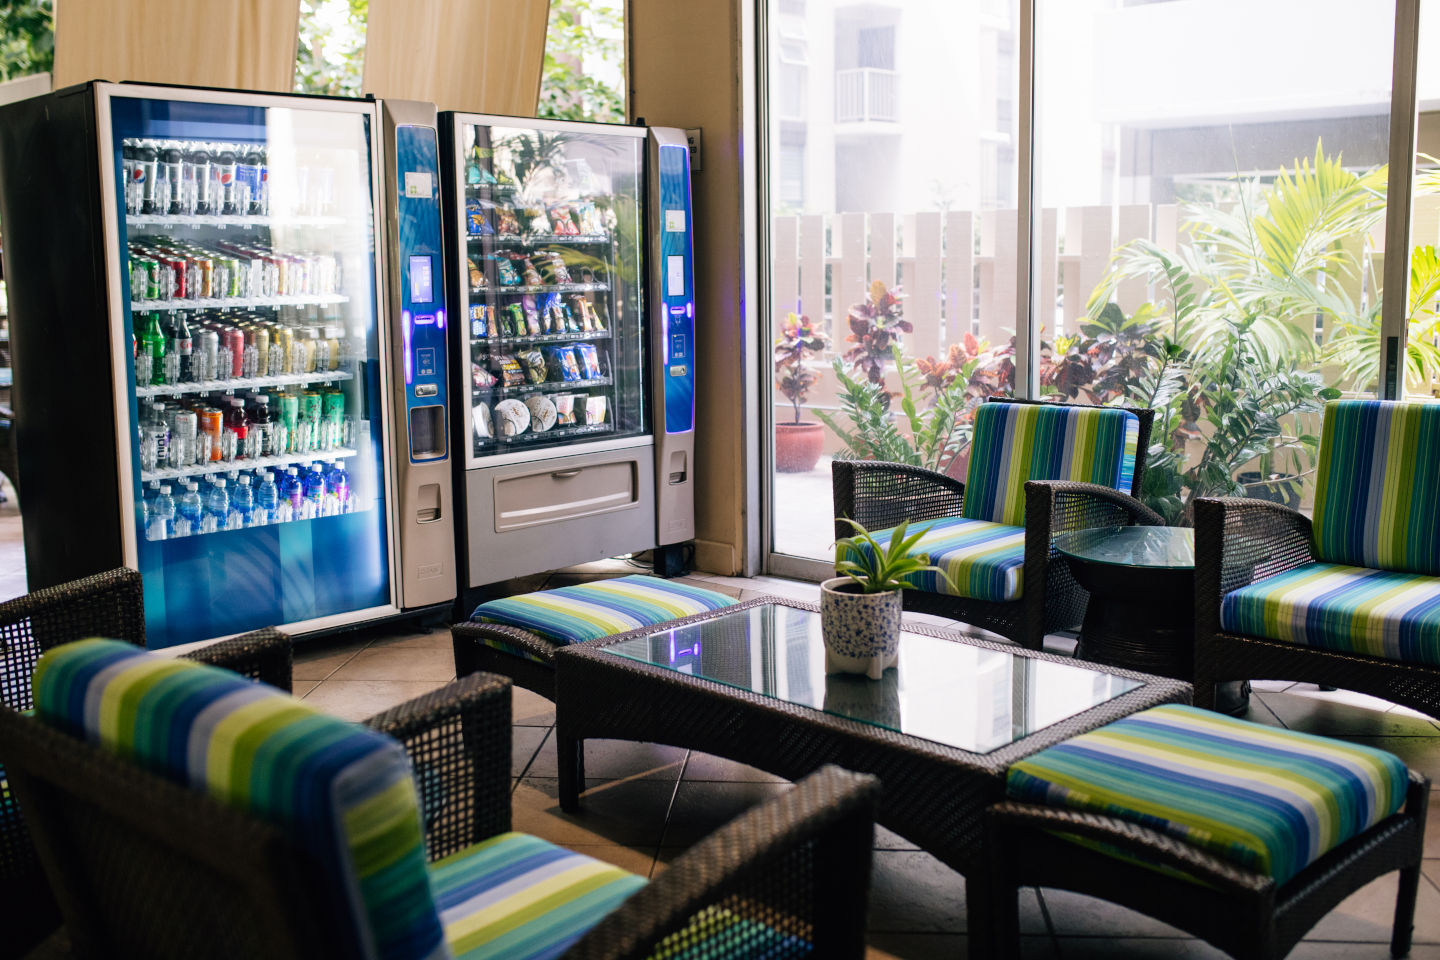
[1270, 800]
[341, 792]
[516, 897]
[1377, 486]
[986, 561]
[1377, 613]
[1016, 442]
[603, 608]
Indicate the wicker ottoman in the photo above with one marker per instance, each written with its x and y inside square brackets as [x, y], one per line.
[1241, 834]
[518, 636]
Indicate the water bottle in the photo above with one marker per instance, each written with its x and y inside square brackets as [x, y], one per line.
[337, 488]
[191, 511]
[242, 505]
[217, 507]
[267, 500]
[314, 492]
[162, 515]
[290, 496]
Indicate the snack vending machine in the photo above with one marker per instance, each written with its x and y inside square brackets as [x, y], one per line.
[570, 251]
[209, 360]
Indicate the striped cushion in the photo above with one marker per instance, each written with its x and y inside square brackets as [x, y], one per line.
[1377, 489]
[986, 561]
[600, 609]
[1015, 442]
[1271, 800]
[516, 897]
[1394, 616]
[342, 792]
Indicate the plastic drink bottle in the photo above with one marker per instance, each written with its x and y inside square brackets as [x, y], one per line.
[191, 511]
[217, 507]
[315, 492]
[162, 515]
[267, 500]
[242, 505]
[337, 488]
[290, 495]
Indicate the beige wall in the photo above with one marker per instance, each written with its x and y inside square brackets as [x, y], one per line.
[245, 44]
[480, 56]
[685, 72]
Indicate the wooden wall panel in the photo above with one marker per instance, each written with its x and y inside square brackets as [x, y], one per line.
[245, 44]
[480, 56]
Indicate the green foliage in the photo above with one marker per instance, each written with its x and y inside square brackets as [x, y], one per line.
[880, 569]
[330, 53]
[27, 37]
[798, 340]
[1355, 345]
[581, 31]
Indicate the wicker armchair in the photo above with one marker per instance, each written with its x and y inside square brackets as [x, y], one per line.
[148, 867]
[883, 495]
[1305, 579]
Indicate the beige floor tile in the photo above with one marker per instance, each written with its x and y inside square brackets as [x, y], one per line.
[299, 688]
[701, 807]
[361, 699]
[398, 663]
[1333, 950]
[1344, 714]
[524, 741]
[705, 766]
[617, 759]
[912, 892]
[530, 709]
[426, 640]
[1135, 948]
[1367, 914]
[627, 812]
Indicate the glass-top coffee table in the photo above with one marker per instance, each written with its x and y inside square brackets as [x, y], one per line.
[748, 682]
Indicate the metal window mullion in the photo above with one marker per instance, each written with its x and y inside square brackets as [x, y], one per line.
[1026, 348]
[1398, 200]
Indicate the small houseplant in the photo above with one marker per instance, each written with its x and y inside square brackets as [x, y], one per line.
[797, 443]
[860, 610]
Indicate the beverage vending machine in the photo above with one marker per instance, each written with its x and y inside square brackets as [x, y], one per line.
[215, 384]
[571, 277]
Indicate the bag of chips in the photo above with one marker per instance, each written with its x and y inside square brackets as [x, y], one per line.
[564, 408]
[506, 223]
[563, 365]
[534, 363]
[532, 317]
[480, 378]
[554, 266]
[515, 325]
[589, 360]
[591, 224]
[477, 276]
[506, 273]
[529, 274]
[594, 409]
[561, 221]
[510, 372]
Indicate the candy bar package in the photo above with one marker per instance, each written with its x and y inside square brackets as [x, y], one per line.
[505, 270]
[594, 409]
[554, 267]
[475, 220]
[492, 321]
[477, 276]
[564, 408]
[479, 320]
[561, 220]
[552, 314]
[509, 369]
[532, 317]
[530, 275]
[589, 360]
[562, 362]
[481, 378]
[534, 363]
[506, 223]
[512, 417]
[542, 413]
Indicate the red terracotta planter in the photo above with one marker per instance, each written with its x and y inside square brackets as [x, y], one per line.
[798, 446]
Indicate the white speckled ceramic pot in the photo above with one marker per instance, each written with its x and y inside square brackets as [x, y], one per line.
[861, 630]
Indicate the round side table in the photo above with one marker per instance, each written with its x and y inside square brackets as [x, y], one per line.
[1141, 613]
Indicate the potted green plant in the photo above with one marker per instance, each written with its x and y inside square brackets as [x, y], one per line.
[860, 610]
[798, 443]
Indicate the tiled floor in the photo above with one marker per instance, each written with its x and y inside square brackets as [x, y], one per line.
[646, 804]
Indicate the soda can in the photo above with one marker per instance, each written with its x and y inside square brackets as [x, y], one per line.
[311, 406]
[262, 349]
[210, 423]
[205, 278]
[335, 405]
[173, 283]
[152, 279]
[207, 347]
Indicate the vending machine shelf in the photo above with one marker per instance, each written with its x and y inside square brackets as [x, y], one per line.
[558, 386]
[242, 383]
[544, 288]
[554, 433]
[539, 239]
[256, 463]
[541, 338]
[242, 303]
[168, 221]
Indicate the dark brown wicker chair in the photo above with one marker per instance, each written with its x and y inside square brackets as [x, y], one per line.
[883, 495]
[1239, 542]
[143, 866]
[1243, 913]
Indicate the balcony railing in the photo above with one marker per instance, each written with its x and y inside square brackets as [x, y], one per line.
[866, 94]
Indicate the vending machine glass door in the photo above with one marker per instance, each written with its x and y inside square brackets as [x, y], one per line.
[246, 247]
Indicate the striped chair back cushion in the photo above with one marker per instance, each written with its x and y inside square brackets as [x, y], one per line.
[1016, 442]
[1377, 486]
[341, 792]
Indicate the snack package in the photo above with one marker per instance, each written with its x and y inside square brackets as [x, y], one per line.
[594, 409]
[506, 272]
[475, 220]
[561, 221]
[580, 314]
[492, 324]
[477, 276]
[509, 369]
[589, 360]
[534, 363]
[532, 317]
[479, 327]
[514, 321]
[562, 362]
[484, 426]
[564, 408]
[481, 378]
[537, 220]
[591, 225]
[554, 266]
[597, 316]
[506, 223]
[542, 413]
[512, 417]
[530, 275]
[554, 314]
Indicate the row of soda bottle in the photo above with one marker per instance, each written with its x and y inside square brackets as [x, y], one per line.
[181, 178]
[171, 348]
[200, 430]
[238, 501]
[167, 269]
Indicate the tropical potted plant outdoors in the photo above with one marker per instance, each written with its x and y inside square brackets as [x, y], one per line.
[860, 610]
[798, 443]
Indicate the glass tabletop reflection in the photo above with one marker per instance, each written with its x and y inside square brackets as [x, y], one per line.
[949, 692]
[1164, 548]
